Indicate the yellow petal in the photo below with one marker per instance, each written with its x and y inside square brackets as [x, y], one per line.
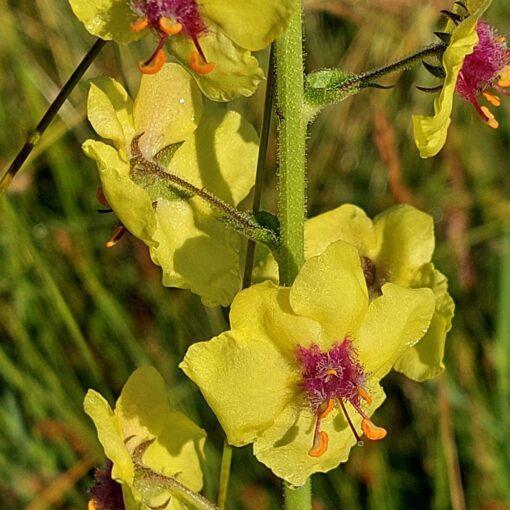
[236, 72]
[253, 24]
[130, 202]
[346, 223]
[268, 306]
[406, 242]
[395, 322]
[145, 414]
[110, 111]
[221, 156]
[244, 378]
[196, 251]
[331, 289]
[107, 19]
[430, 132]
[284, 447]
[425, 359]
[168, 108]
[110, 435]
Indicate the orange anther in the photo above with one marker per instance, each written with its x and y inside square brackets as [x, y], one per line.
[154, 65]
[170, 27]
[116, 237]
[372, 431]
[331, 371]
[320, 445]
[490, 119]
[328, 409]
[93, 505]
[493, 99]
[363, 393]
[198, 64]
[139, 25]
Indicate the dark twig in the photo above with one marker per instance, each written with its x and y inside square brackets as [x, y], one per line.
[50, 114]
[261, 165]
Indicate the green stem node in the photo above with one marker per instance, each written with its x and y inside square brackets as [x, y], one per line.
[329, 86]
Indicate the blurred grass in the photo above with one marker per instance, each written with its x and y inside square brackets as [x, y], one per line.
[74, 315]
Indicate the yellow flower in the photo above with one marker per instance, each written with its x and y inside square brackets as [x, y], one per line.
[300, 364]
[213, 38]
[143, 421]
[430, 132]
[216, 150]
[396, 247]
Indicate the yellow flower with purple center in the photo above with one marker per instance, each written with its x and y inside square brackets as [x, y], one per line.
[298, 373]
[396, 247]
[143, 431]
[485, 71]
[206, 145]
[476, 65]
[213, 38]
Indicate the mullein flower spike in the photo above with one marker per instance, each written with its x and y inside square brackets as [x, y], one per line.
[396, 247]
[476, 64]
[213, 38]
[143, 430]
[298, 373]
[216, 150]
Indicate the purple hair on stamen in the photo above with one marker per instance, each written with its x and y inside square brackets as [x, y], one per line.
[182, 11]
[336, 374]
[481, 69]
[106, 492]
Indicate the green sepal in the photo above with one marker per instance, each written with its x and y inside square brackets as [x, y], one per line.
[166, 154]
[329, 86]
[268, 220]
[253, 228]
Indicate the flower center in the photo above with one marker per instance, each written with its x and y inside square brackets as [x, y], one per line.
[105, 493]
[486, 68]
[374, 279]
[330, 379]
[169, 18]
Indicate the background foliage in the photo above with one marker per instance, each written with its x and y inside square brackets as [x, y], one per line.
[74, 315]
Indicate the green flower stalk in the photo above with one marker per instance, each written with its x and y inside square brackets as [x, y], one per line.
[213, 38]
[475, 61]
[207, 147]
[144, 434]
[298, 373]
[396, 247]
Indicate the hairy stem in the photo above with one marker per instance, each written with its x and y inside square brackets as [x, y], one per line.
[226, 465]
[239, 220]
[177, 489]
[298, 498]
[292, 129]
[50, 114]
[292, 126]
[399, 65]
